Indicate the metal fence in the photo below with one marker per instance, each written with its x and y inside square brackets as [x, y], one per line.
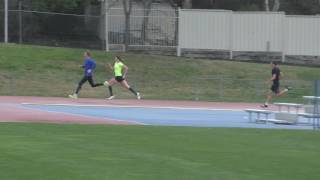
[153, 28]
[169, 30]
[148, 29]
[54, 29]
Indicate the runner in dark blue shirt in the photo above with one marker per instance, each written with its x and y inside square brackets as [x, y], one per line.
[275, 80]
[89, 65]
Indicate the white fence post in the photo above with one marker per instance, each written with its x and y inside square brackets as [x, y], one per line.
[231, 35]
[179, 33]
[284, 37]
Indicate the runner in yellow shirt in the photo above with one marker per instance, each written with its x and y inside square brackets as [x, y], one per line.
[120, 71]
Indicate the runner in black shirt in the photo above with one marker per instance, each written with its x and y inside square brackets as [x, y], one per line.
[275, 88]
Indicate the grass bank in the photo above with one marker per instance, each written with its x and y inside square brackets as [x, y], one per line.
[47, 71]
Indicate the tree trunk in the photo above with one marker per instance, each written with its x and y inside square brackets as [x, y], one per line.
[127, 7]
[212, 3]
[187, 4]
[147, 9]
[276, 5]
[266, 4]
[176, 31]
[127, 33]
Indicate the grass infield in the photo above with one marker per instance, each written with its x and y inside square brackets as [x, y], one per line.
[83, 152]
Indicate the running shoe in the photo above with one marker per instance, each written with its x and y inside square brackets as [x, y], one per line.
[106, 83]
[264, 106]
[288, 88]
[73, 96]
[110, 98]
[138, 96]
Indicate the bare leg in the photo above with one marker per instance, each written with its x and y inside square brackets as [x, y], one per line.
[269, 98]
[125, 84]
[111, 82]
[282, 92]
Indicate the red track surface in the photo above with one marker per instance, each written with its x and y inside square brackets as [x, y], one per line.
[11, 109]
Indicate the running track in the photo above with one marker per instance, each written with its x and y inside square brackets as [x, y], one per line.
[130, 112]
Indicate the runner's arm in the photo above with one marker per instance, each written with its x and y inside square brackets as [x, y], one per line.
[110, 66]
[125, 70]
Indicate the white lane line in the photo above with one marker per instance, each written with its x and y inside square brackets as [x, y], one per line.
[132, 106]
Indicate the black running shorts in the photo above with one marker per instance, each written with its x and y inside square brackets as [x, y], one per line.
[275, 88]
[119, 78]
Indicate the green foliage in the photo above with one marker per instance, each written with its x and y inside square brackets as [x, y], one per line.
[54, 26]
[249, 7]
[238, 5]
[305, 7]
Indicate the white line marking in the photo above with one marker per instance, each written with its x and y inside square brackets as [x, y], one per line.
[131, 106]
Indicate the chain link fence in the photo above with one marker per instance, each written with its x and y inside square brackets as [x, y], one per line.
[147, 29]
[54, 29]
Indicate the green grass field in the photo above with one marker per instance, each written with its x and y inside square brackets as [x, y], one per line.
[90, 152]
[98, 152]
[47, 71]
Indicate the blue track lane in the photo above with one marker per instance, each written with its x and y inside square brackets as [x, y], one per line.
[168, 116]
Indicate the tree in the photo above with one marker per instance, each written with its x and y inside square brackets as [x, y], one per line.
[55, 26]
[303, 7]
[127, 8]
[203, 4]
[147, 8]
[275, 5]
[187, 4]
[266, 5]
[175, 4]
